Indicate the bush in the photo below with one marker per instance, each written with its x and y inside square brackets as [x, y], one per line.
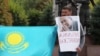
[47, 18]
[94, 25]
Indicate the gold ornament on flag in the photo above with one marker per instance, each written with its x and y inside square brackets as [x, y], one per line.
[14, 43]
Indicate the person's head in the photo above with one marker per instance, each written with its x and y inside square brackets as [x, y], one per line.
[66, 23]
[66, 11]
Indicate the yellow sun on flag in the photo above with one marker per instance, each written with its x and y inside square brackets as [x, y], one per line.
[14, 39]
[14, 43]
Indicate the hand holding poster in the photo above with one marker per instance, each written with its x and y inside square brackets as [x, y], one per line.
[68, 32]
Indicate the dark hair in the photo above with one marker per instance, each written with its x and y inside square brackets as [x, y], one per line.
[67, 7]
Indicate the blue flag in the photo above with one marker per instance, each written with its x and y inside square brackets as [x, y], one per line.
[27, 41]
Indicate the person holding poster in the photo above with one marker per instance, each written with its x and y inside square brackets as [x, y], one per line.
[67, 11]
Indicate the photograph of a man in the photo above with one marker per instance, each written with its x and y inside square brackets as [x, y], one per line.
[68, 24]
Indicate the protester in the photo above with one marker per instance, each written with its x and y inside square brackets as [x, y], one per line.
[67, 11]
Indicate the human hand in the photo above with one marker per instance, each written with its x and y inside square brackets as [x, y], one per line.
[78, 50]
[65, 28]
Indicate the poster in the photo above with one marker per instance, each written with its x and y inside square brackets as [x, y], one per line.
[68, 32]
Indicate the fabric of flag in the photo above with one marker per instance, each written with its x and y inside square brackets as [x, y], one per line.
[27, 41]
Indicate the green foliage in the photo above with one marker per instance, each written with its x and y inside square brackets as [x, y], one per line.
[47, 17]
[5, 15]
[95, 26]
[34, 17]
[38, 13]
[19, 14]
[91, 6]
[1, 1]
[26, 12]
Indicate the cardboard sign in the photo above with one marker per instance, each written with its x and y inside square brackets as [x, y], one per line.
[68, 32]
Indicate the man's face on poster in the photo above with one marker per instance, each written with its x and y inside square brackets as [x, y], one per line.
[65, 23]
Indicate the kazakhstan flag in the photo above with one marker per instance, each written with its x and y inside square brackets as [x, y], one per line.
[27, 41]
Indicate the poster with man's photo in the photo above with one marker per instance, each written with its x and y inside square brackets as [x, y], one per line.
[68, 32]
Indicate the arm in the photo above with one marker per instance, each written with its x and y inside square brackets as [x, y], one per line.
[82, 38]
